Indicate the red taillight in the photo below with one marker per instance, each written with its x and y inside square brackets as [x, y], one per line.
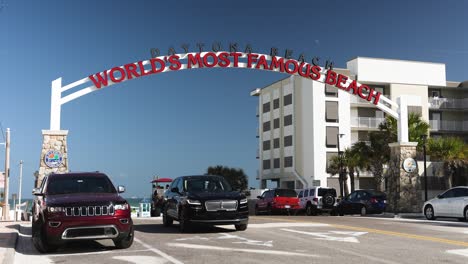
[373, 200]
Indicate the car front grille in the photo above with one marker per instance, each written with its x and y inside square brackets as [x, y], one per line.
[89, 210]
[221, 205]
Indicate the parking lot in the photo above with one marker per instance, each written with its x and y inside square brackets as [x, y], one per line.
[274, 239]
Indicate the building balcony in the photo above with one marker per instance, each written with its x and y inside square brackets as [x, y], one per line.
[449, 125]
[366, 122]
[448, 103]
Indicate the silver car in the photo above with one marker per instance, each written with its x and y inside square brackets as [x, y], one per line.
[451, 203]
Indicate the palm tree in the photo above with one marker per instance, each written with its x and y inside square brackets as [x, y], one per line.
[334, 168]
[416, 127]
[356, 160]
[452, 151]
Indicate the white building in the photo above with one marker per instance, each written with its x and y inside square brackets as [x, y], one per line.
[302, 122]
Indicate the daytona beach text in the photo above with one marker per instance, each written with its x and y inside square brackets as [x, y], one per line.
[232, 59]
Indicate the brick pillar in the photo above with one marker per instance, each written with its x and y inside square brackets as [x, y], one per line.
[403, 194]
[54, 142]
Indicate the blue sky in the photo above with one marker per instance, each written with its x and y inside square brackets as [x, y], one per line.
[182, 122]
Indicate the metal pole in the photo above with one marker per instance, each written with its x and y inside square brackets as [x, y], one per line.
[340, 174]
[20, 181]
[425, 172]
[6, 206]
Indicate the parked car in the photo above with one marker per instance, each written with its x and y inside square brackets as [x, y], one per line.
[277, 200]
[363, 202]
[79, 206]
[317, 200]
[204, 200]
[451, 203]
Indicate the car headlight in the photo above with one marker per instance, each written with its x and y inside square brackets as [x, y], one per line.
[193, 202]
[55, 209]
[121, 206]
[243, 201]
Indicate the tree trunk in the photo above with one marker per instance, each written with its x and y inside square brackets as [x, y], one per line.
[351, 176]
[340, 180]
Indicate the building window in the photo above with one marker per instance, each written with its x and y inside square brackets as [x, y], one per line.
[287, 99]
[331, 91]
[266, 107]
[276, 103]
[266, 164]
[276, 123]
[287, 141]
[330, 157]
[276, 143]
[276, 163]
[288, 120]
[332, 134]
[331, 111]
[288, 162]
[266, 145]
[266, 126]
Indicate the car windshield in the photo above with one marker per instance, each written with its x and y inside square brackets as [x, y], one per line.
[79, 184]
[324, 191]
[206, 184]
[377, 193]
[285, 193]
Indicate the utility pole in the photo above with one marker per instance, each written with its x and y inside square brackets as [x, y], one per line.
[20, 181]
[6, 206]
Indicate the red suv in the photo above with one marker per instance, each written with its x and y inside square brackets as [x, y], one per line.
[79, 206]
[277, 200]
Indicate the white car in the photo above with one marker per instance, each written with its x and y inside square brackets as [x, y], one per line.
[451, 203]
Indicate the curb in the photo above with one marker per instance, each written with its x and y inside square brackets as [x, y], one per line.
[8, 243]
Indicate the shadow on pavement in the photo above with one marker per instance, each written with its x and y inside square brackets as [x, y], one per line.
[174, 229]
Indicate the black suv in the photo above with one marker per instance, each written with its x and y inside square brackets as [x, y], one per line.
[205, 200]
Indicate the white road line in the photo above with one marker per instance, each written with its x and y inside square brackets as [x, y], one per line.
[286, 224]
[96, 253]
[327, 236]
[159, 252]
[461, 252]
[244, 250]
[141, 259]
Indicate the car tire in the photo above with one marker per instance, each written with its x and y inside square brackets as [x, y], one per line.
[269, 211]
[125, 242]
[183, 223]
[363, 210]
[465, 213]
[257, 212]
[167, 220]
[429, 212]
[39, 239]
[241, 227]
[309, 209]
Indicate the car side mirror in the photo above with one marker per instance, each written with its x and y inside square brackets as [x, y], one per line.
[120, 189]
[259, 197]
[37, 192]
[175, 190]
[439, 196]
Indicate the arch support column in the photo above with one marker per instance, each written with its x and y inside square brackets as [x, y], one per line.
[54, 142]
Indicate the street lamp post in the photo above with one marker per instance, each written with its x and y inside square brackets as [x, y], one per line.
[424, 138]
[340, 156]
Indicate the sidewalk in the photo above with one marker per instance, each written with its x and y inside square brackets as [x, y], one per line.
[8, 238]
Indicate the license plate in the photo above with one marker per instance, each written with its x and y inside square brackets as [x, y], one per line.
[287, 206]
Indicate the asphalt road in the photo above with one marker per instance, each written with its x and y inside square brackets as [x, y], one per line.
[274, 239]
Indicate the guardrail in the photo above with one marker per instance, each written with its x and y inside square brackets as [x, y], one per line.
[449, 103]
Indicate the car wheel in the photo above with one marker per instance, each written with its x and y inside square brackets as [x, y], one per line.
[167, 220]
[466, 213]
[269, 211]
[241, 227]
[363, 210]
[309, 210]
[183, 223]
[125, 242]
[429, 212]
[39, 239]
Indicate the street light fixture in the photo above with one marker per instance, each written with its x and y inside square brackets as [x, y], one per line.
[424, 139]
[340, 156]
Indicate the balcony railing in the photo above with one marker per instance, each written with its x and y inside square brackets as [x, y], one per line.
[358, 100]
[448, 103]
[366, 122]
[448, 125]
